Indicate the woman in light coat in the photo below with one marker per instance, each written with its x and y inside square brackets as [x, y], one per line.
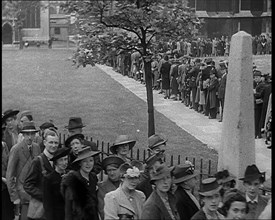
[125, 201]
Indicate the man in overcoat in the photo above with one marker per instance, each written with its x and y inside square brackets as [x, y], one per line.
[110, 166]
[21, 156]
[33, 184]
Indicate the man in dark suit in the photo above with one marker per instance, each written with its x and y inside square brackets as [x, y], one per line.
[75, 126]
[33, 184]
[252, 182]
[19, 163]
[185, 179]
[110, 166]
[205, 75]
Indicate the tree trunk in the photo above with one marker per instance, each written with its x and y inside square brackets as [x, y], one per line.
[20, 39]
[150, 102]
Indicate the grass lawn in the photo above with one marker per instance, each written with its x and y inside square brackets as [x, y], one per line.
[45, 82]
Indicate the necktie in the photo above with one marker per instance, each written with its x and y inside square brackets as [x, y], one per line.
[30, 149]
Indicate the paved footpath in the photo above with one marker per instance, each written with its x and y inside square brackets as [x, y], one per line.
[206, 130]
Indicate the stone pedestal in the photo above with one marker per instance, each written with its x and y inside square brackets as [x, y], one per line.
[237, 149]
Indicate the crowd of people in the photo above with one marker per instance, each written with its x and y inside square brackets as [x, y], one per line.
[44, 179]
[200, 84]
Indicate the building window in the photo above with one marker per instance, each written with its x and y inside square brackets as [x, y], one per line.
[52, 10]
[200, 5]
[212, 5]
[57, 30]
[192, 3]
[225, 5]
[32, 18]
[245, 5]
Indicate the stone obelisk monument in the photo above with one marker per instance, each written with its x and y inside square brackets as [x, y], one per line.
[237, 149]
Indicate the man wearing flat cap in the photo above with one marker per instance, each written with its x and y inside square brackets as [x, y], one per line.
[185, 179]
[12, 131]
[20, 159]
[75, 126]
[110, 166]
[252, 181]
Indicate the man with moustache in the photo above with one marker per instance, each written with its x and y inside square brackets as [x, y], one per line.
[19, 164]
[33, 184]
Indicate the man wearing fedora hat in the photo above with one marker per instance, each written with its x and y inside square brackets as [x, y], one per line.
[75, 126]
[110, 166]
[122, 146]
[156, 143]
[185, 179]
[20, 159]
[33, 184]
[12, 131]
[210, 197]
[252, 181]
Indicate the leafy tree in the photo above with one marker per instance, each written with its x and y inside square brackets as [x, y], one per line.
[131, 25]
[17, 10]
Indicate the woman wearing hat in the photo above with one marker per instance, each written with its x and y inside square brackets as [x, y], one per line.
[185, 179]
[226, 180]
[122, 147]
[252, 181]
[75, 143]
[125, 201]
[79, 188]
[11, 133]
[235, 206]
[53, 201]
[110, 166]
[210, 197]
[162, 203]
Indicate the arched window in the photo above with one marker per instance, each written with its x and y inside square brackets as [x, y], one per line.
[52, 10]
[32, 19]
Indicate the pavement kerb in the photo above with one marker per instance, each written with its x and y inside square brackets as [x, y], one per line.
[206, 130]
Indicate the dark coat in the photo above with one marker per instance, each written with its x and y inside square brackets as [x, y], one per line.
[254, 213]
[8, 139]
[211, 98]
[33, 184]
[53, 201]
[165, 75]
[200, 215]
[103, 188]
[205, 73]
[222, 87]
[266, 94]
[174, 75]
[80, 196]
[145, 186]
[154, 207]
[185, 205]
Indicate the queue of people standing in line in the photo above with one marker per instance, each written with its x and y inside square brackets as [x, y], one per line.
[200, 85]
[43, 180]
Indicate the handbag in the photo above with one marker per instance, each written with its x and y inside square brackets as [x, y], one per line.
[36, 209]
[259, 101]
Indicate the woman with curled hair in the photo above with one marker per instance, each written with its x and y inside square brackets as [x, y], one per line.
[235, 205]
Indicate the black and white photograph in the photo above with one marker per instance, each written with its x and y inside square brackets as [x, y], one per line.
[136, 109]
